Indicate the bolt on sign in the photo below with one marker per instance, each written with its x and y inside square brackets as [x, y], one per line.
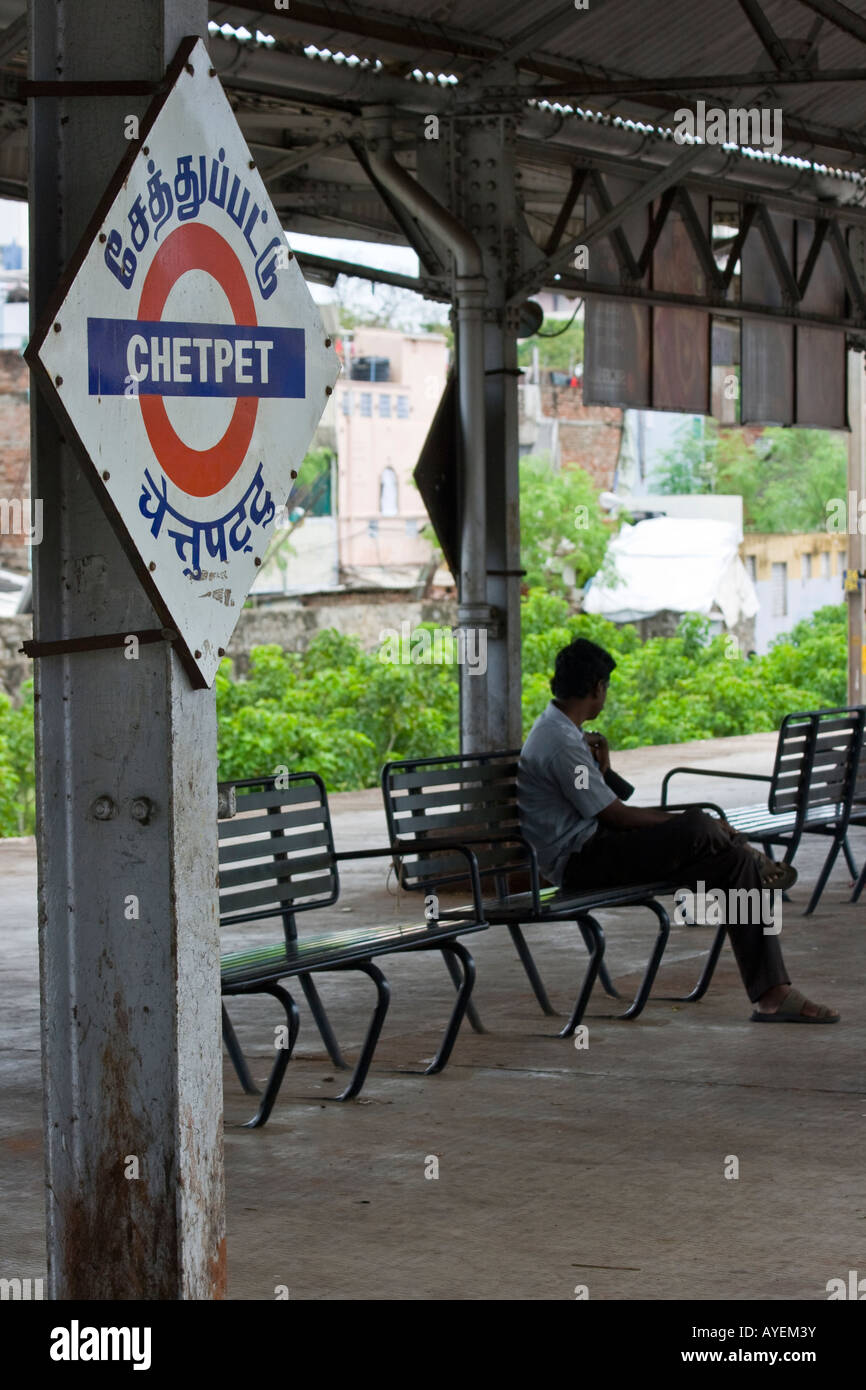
[187, 360]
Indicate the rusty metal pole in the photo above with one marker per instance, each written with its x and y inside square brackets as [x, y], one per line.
[126, 791]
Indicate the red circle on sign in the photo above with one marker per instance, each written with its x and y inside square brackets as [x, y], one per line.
[198, 472]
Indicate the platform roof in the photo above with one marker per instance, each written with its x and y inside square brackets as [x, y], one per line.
[597, 86]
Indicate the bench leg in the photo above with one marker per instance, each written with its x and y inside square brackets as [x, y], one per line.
[706, 976]
[594, 938]
[606, 982]
[823, 876]
[457, 975]
[531, 969]
[278, 1070]
[858, 886]
[849, 859]
[383, 995]
[455, 954]
[239, 1061]
[637, 1004]
[322, 1022]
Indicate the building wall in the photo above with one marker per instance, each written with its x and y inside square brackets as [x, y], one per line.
[382, 425]
[814, 567]
[554, 420]
[14, 450]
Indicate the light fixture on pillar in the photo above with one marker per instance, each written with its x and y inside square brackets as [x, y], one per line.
[530, 317]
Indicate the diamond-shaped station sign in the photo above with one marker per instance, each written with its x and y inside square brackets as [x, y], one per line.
[184, 354]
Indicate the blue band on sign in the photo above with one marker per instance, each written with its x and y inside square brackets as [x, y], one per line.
[135, 357]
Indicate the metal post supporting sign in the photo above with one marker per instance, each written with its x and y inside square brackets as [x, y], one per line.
[184, 354]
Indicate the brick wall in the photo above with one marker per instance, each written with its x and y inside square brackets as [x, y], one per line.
[14, 450]
[589, 435]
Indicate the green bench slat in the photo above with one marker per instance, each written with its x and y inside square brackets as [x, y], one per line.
[258, 825]
[316, 952]
[462, 776]
[279, 898]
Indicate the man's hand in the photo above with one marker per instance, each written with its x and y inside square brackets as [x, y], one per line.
[598, 746]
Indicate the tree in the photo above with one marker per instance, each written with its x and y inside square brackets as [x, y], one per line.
[311, 491]
[563, 539]
[785, 479]
[560, 345]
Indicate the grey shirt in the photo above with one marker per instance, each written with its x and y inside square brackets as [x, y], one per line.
[560, 791]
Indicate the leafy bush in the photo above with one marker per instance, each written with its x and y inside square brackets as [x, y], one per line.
[17, 784]
[344, 712]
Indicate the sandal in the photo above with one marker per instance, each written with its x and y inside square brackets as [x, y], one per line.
[790, 1011]
[775, 873]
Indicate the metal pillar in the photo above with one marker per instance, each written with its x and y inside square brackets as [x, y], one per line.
[128, 923]
[856, 540]
[487, 180]
[473, 612]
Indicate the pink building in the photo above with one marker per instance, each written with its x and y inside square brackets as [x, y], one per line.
[385, 402]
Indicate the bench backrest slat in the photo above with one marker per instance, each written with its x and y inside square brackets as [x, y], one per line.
[817, 759]
[469, 798]
[276, 855]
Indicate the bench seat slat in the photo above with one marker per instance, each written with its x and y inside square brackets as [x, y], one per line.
[336, 948]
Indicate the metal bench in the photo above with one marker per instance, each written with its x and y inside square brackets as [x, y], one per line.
[812, 788]
[473, 799]
[277, 859]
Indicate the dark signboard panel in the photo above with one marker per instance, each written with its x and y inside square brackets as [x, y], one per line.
[725, 360]
[681, 337]
[821, 361]
[767, 386]
[821, 379]
[616, 354]
[616, 368]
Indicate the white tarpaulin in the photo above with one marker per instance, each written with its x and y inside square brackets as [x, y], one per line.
[685, 566]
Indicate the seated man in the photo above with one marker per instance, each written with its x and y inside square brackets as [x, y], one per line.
[585, 837]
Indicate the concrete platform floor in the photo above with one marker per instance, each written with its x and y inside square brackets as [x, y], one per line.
[557, 1167]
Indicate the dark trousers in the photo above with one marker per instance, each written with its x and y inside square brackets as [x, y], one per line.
[689, 848]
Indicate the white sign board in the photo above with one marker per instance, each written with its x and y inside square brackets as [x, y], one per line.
[185, 353]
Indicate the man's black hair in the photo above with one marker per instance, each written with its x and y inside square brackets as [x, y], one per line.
[579, 668]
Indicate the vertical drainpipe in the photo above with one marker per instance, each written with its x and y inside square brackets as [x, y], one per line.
[473, 608]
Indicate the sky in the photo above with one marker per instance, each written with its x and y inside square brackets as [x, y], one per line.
[359, 295]
[13, 223]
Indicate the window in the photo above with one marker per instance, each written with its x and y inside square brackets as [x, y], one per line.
[388, 502]
[402, 407]
[372, 529]
[385, 406]
[805, 568]
[779, 579]
[752, 568]
[367, 403]
[347, 402]
[825, 564]
[411, 526]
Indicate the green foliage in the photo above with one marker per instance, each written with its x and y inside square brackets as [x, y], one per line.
[561, 527]
[343, 712]
[17, 787]
[561, 352]
[785, 479]
[337, 710]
